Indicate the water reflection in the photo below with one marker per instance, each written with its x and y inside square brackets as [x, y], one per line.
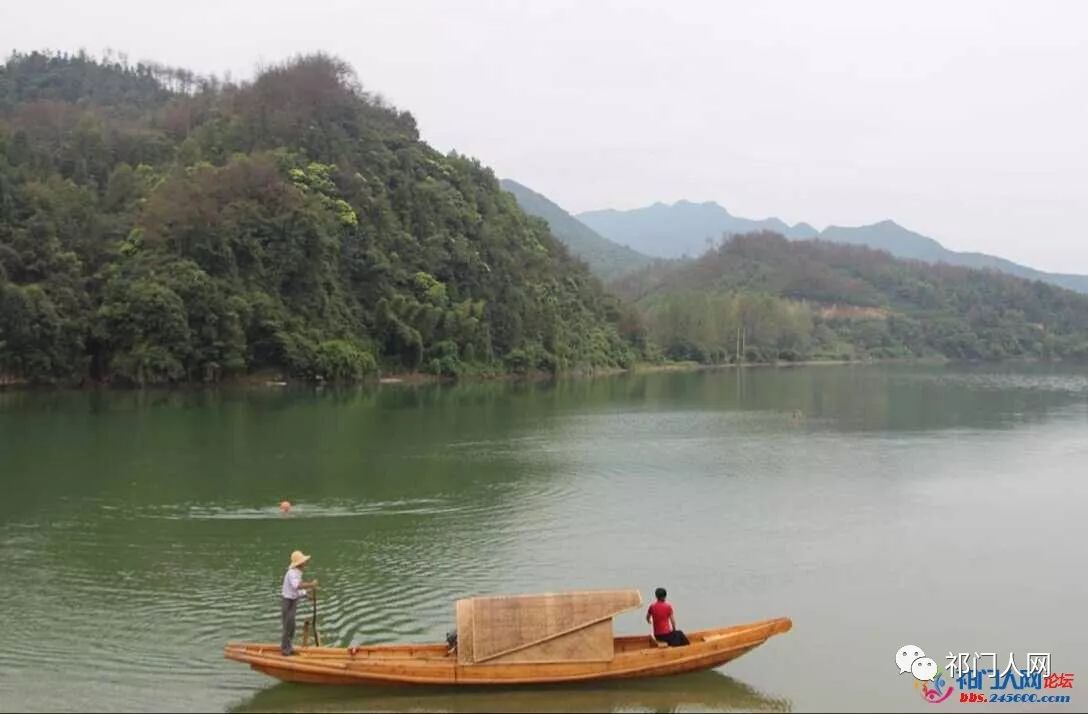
[703, 691]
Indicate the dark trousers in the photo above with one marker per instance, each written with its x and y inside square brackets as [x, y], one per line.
[676, 638]
[288, 609]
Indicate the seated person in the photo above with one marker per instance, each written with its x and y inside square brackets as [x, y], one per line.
[664, 622]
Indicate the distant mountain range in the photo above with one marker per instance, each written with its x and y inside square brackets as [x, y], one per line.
[606, 259]
[687, 228]
[616, 243]
[684, 228]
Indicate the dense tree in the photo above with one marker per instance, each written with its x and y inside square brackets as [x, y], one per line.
[157, 226]
[761, 297]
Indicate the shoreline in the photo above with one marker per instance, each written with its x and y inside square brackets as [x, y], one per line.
[276, 380]
[273, 380]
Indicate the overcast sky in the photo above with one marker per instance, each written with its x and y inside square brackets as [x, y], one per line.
[965, 121]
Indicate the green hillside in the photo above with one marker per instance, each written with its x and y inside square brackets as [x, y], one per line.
[764, 297]
[156, 226]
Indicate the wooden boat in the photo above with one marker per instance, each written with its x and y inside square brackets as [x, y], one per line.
[523, 639]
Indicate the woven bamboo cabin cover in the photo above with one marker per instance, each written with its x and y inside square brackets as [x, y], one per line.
[563, 627]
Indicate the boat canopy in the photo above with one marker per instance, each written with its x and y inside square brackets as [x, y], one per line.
[551, 627]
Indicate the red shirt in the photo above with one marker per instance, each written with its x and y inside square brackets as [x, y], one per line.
[661, 612]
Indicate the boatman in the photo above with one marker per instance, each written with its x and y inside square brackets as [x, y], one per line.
[664, 622]
[293, 590]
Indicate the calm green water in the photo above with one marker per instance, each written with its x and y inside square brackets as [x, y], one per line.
[937, 506]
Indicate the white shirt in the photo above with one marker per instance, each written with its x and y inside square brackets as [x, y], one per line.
[291, 581]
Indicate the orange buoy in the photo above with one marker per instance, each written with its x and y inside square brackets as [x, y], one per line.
[285, 506]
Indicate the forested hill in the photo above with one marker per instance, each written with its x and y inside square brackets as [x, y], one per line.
[762, 297]
[157, 226]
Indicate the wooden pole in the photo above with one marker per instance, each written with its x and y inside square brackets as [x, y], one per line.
[317, 637]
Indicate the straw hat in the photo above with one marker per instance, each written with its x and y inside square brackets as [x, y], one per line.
[297, 558]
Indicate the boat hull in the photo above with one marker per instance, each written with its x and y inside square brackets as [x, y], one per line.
[431, 665]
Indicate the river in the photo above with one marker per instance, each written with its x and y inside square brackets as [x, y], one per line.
[879, 505]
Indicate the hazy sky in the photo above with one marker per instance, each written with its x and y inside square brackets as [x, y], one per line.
[965, 121]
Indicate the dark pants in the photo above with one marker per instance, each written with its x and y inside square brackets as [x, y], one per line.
[676, 638]
[288, 609]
